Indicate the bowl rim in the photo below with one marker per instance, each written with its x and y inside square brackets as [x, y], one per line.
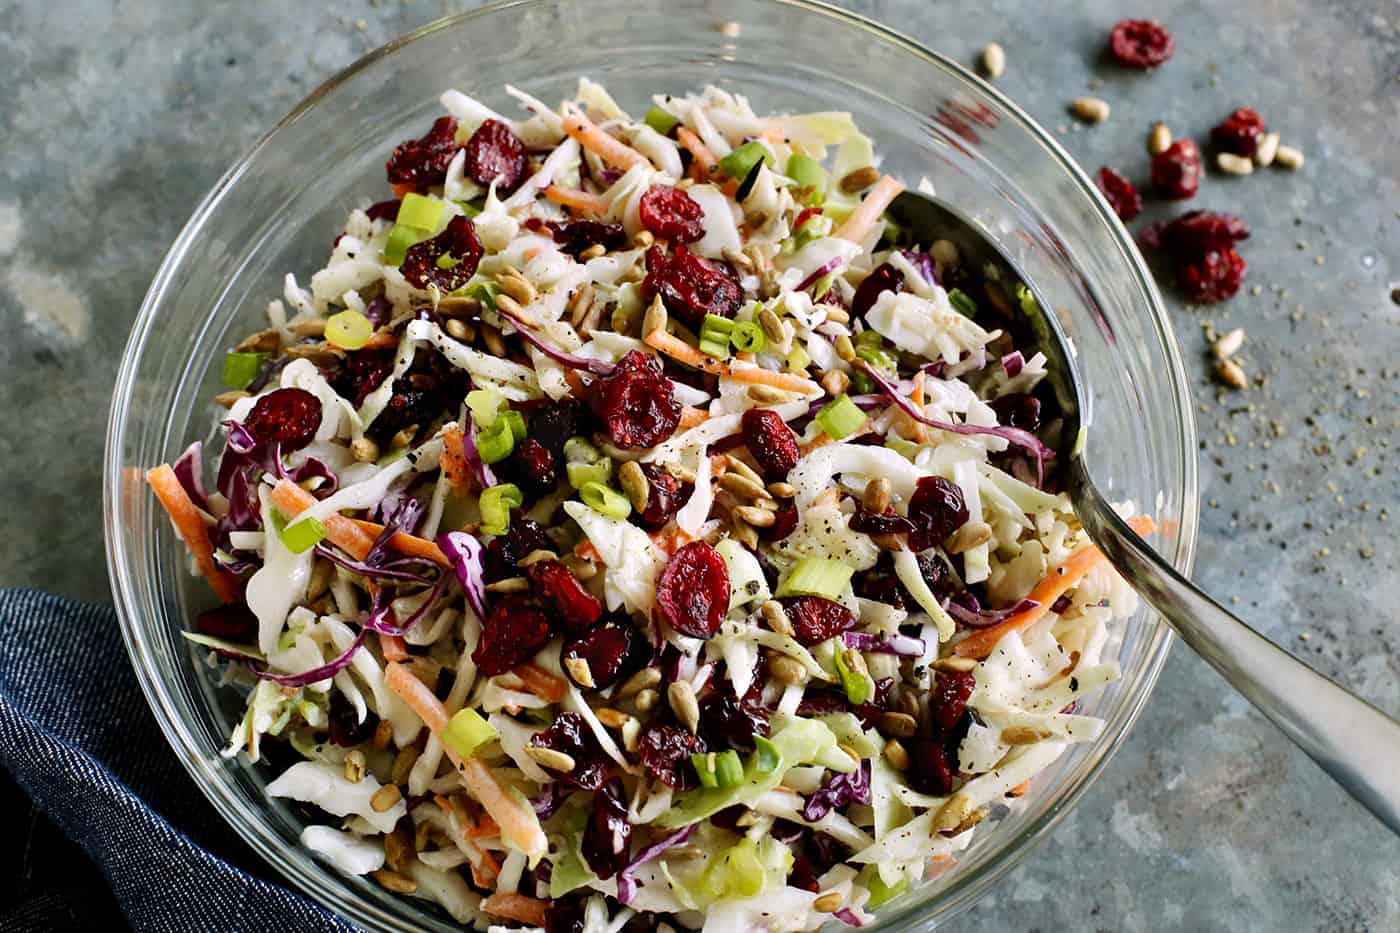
[266, 842]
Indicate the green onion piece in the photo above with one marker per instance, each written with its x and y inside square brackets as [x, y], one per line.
[766, 756]
[516, 422]
[748, 337]
[447, 261]
[729, 771]
[660, 120]
[581, 450]
[471, 209]
[807, 172]
[906, 449]
[496, 503]
[605, 500]
[485, 406]
[962, 303]
[466, 732]
[880, 893]
[840, 417]
[1027, 300]
[348, 330]
[856, 686]
[421, 211]
[303, 535]
[715, 332]
[496, 442]
[877, 357]
[401, 237]
[718, 350]
[741, 161]
[797, 359]
[823, 285]
[869, 338]
[737, 872]
[861, 384]
[816, 576]
[242, 368]
[704, 767]
[482, 290]
[581, 474]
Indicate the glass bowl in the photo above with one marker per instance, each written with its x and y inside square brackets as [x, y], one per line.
[278, 208]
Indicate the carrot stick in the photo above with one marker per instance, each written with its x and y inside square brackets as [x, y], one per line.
[541, 682]
[576, 200]
[485, 828]
[453, 462]
[518, 828]
[870, 209]
[703, 161]
[404, 543]
[601, 144]
[920, 432]
[587, 551]
[393, 647]
[402, 189]
[190, 525]
[485, 869]
[1055, 584]
[678, 349]
[691, 417]
[516, 907]
[291, 500]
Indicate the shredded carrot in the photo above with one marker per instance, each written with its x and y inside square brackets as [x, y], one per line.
[576, 200]
[870, 209]
[541, 682]
[516, 907]
[405, 543]
[393, 647]
[453, 462]
[920, 432]
[821, 440]
[691, 417]
[190, 525]
[610, 150]
[1019, 790]
[518, 828]
[575, 381]
[381, 340]
[671, 540]
[291, 500]
[730, 188]
[587, 551]
[1052, 587]
[402, 189]
[485, 869]
[678, 349]
[704, 160]
[485, 828]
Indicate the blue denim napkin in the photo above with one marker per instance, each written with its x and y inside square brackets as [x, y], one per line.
[77, 735]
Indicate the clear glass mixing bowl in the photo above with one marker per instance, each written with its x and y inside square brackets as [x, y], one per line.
[278, 208]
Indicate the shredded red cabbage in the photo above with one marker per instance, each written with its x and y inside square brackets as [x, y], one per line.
[390, 570]
[484, 477]
[1012, 364]
[626, 883]
[905, 645]
[831, 265]
[547, 804]
[523, 328]
[924, 263]
[838, 791]
[466, 553]
[848, 917]
[985, 617]
[189, 470]
[324, 672]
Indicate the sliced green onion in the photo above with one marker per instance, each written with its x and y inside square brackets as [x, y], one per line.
[1027, 300]
[471, 208]
[729, 771]
[605, 500]
[877, 357]
[242, 368]
[496, 442]
[961, 303]
[807, 172]
[737, 872]
[705, 767]
[485, 406]
[857, 687]
[817, 576]
[861, 384]
[748, 337]
[840, 417]
[719, 350]
[869, 338]
[823, 285]
[401, 237]
[906, 449]
[715, 332]
[496, 503]
[303, 535]
[447, 261]
[421, 211]
[348, 330]
[797, 359]
[516, 422]
[880, 893]
[581, 474]
[660, 120]
[482, 290]
[581, 450]
[741, 161]
[766, 756]
[466, 732]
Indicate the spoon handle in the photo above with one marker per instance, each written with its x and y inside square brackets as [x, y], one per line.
[1357, 744]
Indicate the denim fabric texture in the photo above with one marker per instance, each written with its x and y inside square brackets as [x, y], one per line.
[77, 736]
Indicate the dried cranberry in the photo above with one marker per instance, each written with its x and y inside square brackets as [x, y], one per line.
[937, 574]
[690, 286]
[613, 650]
[233, 622]
[565, 915]
[726, 721]
[1120, 194]
[570, 734]
[815, 618]
[608, 835]
[771, 442]
[636, 402]
[363, 372]
[692, 593]
[671, 214]
[495, 152]
[289, 417]
[384, 210]
[1239, 132]
[784, 521]
[1196, 233]
[937, 509]
[343, 722]
[423, 162]
[514, 632]
[930, 769]
[1176, 170]
[665, 495]
[555, 584]
[504, 551]
[448, 260]
[888, 522]
[1141, 43]
[882, 586]
[665, 751]
[578, 235]
[1018, 410]
[1213, 277]
[532, 466]
[948, 700]
[885, 278]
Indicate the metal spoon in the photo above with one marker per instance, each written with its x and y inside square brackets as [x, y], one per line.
[1357, 744]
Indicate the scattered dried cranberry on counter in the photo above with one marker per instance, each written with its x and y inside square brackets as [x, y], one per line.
[423, 162]
[1140, 43]
[1120, 193]
[1201, 246]
[1239, 132]
[1176, 171]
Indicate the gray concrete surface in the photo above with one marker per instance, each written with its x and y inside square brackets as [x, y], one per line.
[118, 116]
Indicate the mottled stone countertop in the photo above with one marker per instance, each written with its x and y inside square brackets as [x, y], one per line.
[119, 116]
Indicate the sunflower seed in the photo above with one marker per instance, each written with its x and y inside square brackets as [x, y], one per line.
[458, 306]
[835, 382]
[844, 348]
[1226, 346]
[646, 700]
[1267, 150]
[742, 486]
[969, 536]
[896, 755]
[681, 695]
[383, 734]
[494, 343]
[267, 341]
[354, 766]
[1160, 139]
[364, 450]
[828, 903]
[228, 399]
[459, 330]
[758, 518]
[785, 670]
[580, 671]
[781, 490]
[1231, 373]
[772, 325]
[551, 758]
[385, 798]
[766, 395]
[877, 495]
[1233, 164]
[900, 725]
[593, 252]
[1289, 157]
[393, 881]
[646, 677]
[1089, 109]
[859, 179]
[955, 665]
[656, 317]
[776, 617]
[944, 252]
[535, 556]
[398, 848]
[994, 60]
[643, 239]
[612, 718]
[634, 484]
[313, 327]
[581, 304]
[1024, 735]
[958, 808]
[509, 585]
